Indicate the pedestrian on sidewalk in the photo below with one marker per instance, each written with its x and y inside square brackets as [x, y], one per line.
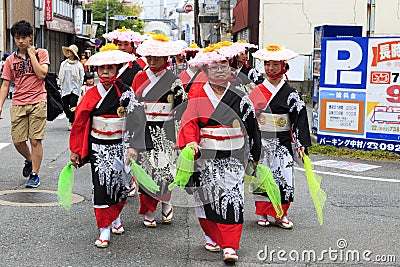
[83, 60]
[220, 124]
[3, 61]
[27, 68]
[70, 80]
[285, 133]
[98, 137]
[88, 82]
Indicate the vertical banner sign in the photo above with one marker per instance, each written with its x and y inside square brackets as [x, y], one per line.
[187, 34]
[48, 10]
[78, 20]
[360, 93]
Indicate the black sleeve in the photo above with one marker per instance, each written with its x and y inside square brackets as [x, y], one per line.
[253, 130]
[135, 129]
[136, 124]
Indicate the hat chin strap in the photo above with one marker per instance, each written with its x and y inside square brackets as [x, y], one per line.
[279, 74]
[156, 70]
[219, 81]
[113, 80]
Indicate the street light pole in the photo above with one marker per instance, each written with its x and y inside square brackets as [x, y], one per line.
[107, 7]
[11, 23]
[197, 38]
[225, 22]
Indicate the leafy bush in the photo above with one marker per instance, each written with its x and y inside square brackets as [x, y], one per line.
[345, 152]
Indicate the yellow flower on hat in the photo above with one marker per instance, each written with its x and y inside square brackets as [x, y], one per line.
[242, 41]
[273, 47]
[160, 37]
[274, 52]
[225, 43]
[151, 33]
[123, 29]
[194, 45]
[109, 47]
[212, 47]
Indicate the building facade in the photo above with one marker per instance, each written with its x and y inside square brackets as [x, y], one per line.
[291, 22]
[55, 23]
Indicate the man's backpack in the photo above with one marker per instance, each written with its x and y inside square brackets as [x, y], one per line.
[54, 102]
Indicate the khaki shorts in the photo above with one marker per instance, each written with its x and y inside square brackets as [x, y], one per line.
[28, 121]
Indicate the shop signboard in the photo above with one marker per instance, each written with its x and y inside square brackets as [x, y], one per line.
[359, 93]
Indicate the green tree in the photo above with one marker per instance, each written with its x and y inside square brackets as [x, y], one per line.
[115, 8]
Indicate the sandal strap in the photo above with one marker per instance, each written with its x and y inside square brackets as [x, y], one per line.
[168, 214]
[117, 228]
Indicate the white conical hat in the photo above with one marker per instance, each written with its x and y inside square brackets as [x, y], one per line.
[246, 44]
[205, 58]
[108, 55]
[159, 46]
[274, 52]
[124, 34]
[230, 51]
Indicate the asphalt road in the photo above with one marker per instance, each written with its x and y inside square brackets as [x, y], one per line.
[361, 218]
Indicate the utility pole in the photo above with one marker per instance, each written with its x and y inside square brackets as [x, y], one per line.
[11, 23]
[113, 23]
[197, 38]
[225, 20]
[107, 7]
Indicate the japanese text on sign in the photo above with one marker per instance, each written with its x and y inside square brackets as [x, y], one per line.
[342, 115]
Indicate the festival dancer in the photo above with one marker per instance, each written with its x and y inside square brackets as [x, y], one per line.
[219, 123]
[283, 122]
[249, 75]
[98, 137]
[160, 91]
[178, 63]
[127, 41]
[189, 75]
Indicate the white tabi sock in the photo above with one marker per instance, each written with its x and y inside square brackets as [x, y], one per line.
[105, 233]
[209, 240]
[149, 216]
[166, 207]
[116, 222]
[229, 250]
[284, 219]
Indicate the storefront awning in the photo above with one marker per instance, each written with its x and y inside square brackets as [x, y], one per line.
[60, 25]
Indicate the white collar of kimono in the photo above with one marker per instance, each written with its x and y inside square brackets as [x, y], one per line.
[238, 70]
[190, 72]
[103, 92]
[153, 79]
[271, 87]
[121, 70]
[274, 90]
[212, 96]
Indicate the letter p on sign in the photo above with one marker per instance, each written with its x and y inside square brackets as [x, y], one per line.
[342, 57]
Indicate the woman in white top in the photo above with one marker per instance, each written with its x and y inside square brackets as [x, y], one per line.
[70, 80]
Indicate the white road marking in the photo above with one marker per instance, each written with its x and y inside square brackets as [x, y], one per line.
[61, 116]
[354, 176]
[346, 165]
[3, 145]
